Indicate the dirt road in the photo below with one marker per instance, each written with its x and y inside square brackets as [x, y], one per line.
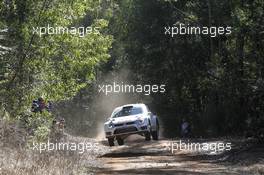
[138, 156]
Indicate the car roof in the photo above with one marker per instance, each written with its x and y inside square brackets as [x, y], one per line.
[134, 105]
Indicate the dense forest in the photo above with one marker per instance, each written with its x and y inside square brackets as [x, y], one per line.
[216, 83]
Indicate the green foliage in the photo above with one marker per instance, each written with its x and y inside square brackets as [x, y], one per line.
[55, 67]
[38, 126]
[41, 134]
[210, 81]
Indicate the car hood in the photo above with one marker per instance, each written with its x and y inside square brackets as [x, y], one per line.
[125, 119]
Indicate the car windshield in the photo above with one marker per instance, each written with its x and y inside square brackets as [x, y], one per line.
[128, 110]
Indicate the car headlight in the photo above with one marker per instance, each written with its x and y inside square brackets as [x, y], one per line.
[111, 125]
[140, 121]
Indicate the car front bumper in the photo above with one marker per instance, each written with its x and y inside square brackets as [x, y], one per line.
[126, 130]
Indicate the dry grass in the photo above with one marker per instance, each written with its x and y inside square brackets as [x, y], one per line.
[16, 159]
[27, 162]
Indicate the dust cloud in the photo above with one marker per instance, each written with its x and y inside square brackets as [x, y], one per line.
[87, 117]
[105, 104]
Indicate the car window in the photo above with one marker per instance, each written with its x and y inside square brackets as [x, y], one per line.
[128, 110]
[116, 110]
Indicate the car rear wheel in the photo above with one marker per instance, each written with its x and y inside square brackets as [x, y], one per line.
[111, 142]
[147, 136]
[120, 141]
[155, 135]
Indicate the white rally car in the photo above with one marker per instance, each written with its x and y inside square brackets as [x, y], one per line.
[131, 119]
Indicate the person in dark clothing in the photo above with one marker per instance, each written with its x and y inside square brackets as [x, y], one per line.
[49, 106]
[41, 104]
[35, 106]
[185, 129]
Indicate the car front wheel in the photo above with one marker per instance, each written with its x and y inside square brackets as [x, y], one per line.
[155, 134]
[120, 141]
[147, 136]
[111, 142]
